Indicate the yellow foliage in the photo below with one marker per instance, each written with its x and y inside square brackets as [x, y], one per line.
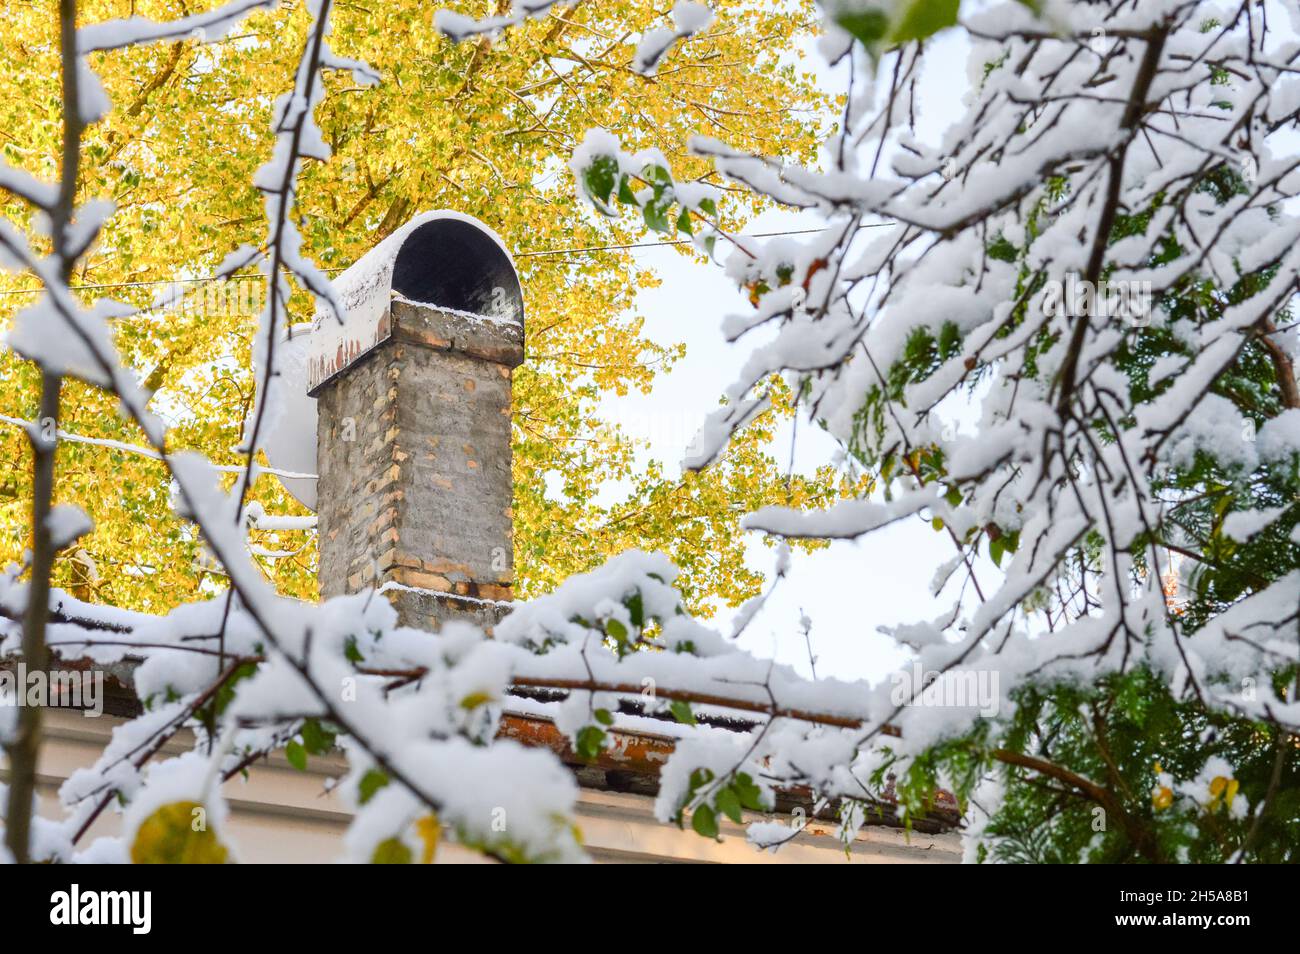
[430, 831]
[483, 127]
[170, 837]
[1223, 791]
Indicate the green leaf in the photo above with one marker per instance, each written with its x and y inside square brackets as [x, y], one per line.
[625, 193]
[296, 755]
[708, 207]
[728, 803]
[316, 739]
[226, 694]
[657, 175]
[1000, 249]
[751, 796]
[604, 717]
[616, 630]
[600, 177]
[391, 851]
[705, 822]
[351, 652]
[868, 26]
[684, 222]
[589, 743]
[682, 712]
[636, 609]
[370, 783]
[996, 550]
[922, 19]
[655, 213]
[701, 776]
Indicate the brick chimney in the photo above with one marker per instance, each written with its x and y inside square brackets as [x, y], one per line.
[413, 423]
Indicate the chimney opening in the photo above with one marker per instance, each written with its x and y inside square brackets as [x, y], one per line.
[453, 264]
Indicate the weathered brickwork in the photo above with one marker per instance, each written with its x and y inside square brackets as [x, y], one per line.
[413, 448]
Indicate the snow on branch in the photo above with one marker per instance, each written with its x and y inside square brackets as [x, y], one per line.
[459, 27]
[135, 31]
[689, 18]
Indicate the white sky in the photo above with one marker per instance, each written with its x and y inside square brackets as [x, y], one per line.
[853, 587]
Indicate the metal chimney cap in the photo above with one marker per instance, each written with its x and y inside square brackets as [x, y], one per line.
[444, 259]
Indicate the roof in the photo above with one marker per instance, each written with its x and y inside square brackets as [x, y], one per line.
[639, 746]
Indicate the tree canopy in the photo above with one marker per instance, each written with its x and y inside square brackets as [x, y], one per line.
[484, 128]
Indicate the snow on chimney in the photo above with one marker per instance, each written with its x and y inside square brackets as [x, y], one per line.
[413, 422]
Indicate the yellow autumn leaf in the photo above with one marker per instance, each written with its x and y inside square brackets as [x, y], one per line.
[176, 835]
[430, 831]
[1223, 790]
[475, 699]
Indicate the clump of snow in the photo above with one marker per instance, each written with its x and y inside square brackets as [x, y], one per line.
[67, 523]
[1241, 525]
[689, 18]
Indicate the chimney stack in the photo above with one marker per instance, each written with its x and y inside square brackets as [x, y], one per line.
[413, 423]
